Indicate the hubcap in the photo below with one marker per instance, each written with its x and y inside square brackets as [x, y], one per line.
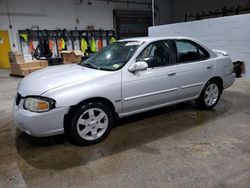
[211, 94]
[92, 124]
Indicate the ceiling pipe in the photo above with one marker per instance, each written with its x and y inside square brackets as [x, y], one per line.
[153, 12]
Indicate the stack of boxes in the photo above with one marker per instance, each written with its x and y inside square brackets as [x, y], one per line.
[19, 67]
[71, 56]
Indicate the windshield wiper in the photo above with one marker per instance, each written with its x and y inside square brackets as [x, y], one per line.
[89, 65]
[95, 67]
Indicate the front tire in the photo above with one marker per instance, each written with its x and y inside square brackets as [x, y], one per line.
[91, 124]
[209, 96]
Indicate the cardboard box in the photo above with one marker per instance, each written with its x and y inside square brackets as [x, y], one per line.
[26, 68]
[34, 64]
[34, 69]
[71, 56]
[15, 70]
[15, 57]
[44, 64]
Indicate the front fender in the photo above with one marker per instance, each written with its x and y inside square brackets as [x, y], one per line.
[70, 95]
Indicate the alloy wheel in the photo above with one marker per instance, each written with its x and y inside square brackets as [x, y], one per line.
[92, 124]
[211, 94]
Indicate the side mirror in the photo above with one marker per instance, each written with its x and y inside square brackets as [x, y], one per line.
[138, 66]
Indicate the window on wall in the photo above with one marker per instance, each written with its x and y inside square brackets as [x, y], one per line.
[156, 54]
[189, 51]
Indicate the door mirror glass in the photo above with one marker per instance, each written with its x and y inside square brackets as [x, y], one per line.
[138, 66]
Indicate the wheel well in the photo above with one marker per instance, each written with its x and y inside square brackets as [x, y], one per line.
[73, 109]
[219, 80]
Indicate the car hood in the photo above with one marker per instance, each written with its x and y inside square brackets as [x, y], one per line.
[49, 78]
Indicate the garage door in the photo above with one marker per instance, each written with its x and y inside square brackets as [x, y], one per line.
[132, 23]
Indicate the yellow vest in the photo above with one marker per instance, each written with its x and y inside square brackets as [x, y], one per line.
[84, 45]
[112, 40]
[93, 45]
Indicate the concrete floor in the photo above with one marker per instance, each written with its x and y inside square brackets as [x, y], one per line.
[177, 146]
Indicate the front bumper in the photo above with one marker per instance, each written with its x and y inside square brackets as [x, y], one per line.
[40, 124]
[228, 80]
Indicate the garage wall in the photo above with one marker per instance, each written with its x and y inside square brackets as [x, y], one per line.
[50, 14]
[229, 33]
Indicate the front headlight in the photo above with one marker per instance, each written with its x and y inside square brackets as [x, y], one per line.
[38, 104]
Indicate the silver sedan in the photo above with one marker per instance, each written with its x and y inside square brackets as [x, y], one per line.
[128, 77]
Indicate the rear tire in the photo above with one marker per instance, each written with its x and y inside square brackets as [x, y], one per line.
[209, 96]
[91, 124]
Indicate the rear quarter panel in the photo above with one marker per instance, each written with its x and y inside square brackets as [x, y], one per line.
[223, 68]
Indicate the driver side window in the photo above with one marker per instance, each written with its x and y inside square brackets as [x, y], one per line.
[156, 54]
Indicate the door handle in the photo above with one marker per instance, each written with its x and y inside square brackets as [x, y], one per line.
[171, 73]
[209, 67]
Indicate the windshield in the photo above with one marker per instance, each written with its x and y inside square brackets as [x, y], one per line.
[113, 56]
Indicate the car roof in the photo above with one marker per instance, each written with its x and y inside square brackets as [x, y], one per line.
[151, 39]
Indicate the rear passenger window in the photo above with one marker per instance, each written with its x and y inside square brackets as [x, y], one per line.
[203, 53]
[189, 51]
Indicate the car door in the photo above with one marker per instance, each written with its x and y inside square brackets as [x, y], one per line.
[194, 69]
[152, 87]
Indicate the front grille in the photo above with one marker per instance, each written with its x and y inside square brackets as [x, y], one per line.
[18, 99]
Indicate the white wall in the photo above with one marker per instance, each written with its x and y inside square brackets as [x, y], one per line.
[50, 14]
[230, 33]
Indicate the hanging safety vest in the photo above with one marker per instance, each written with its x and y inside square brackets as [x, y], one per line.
[59, 43]
[112, 40]
[93, 45]
[84, 45]
[31, 47]
[51, 45]
[63, 43]
[100, 45]
[24, 37]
